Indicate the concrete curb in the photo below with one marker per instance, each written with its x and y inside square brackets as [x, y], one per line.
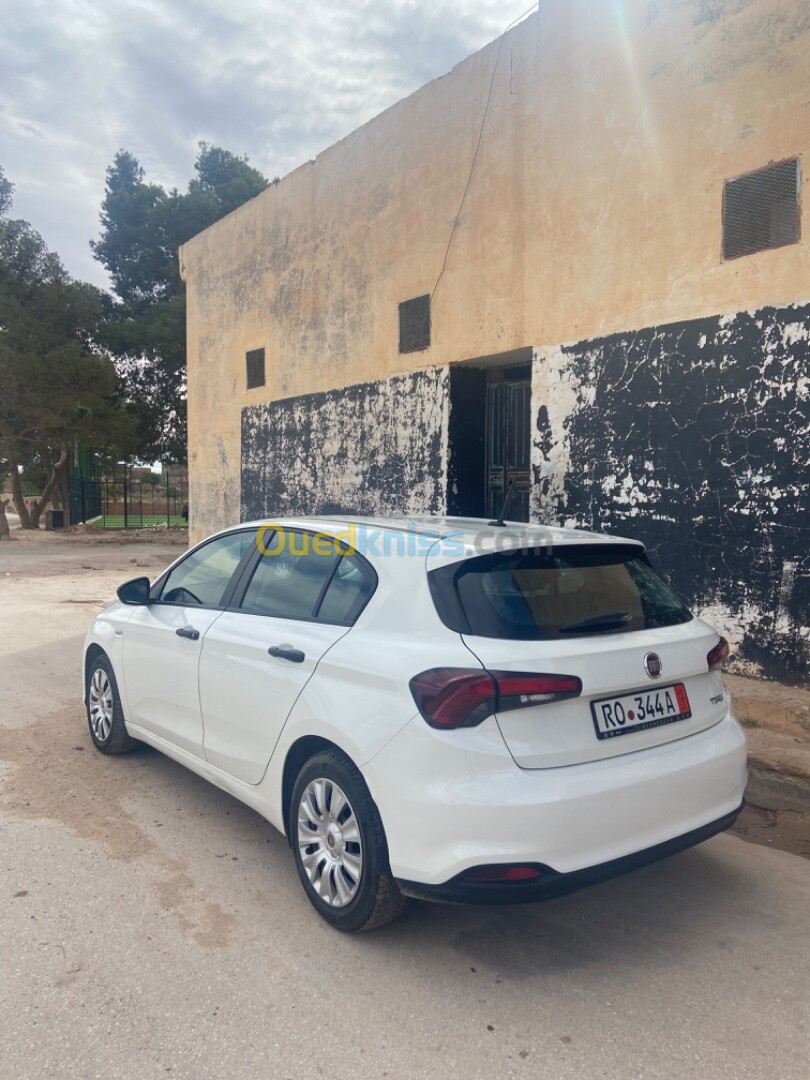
[771, 790]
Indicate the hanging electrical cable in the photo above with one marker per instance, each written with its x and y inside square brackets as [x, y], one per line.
[514, 22]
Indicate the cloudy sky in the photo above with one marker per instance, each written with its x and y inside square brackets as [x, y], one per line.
[279, 80]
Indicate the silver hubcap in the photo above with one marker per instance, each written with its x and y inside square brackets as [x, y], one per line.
[100, 698]
[329, 843]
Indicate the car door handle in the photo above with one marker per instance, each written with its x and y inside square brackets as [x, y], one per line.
[287, 652]
[189, 632]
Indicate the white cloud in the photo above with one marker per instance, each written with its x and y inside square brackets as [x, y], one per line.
[276, 79]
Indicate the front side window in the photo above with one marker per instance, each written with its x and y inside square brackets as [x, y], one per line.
[565, 592]
[204, 575]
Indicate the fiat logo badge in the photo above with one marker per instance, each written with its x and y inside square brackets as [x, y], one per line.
[652, 665]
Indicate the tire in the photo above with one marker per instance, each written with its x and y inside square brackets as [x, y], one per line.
[105, 717]
[348, 879]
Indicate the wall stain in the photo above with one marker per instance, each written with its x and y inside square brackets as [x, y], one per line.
[704, 12]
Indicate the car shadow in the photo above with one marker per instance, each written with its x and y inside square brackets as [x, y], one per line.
[697, 900]
[648, 918]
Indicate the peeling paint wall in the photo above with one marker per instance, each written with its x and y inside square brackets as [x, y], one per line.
[695, 438]
[376, 448]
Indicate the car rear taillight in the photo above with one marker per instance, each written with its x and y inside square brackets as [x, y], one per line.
[718, 655]
[454, 697]
[517, 691]
[451, 698]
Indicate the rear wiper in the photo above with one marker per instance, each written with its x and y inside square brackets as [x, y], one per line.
[593, 625]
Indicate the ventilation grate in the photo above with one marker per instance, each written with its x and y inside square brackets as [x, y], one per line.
[414, 324]
[761, 210]
[254, 363]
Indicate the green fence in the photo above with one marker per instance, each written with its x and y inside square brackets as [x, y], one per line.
[134, 499]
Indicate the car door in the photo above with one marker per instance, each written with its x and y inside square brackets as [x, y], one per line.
[162, 641]
[296, 601]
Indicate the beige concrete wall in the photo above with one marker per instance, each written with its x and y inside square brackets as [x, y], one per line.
[594, 206]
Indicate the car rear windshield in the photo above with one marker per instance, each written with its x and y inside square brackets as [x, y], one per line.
[563, 592]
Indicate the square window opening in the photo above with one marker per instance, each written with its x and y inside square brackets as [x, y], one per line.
[254, 364]
[414, 324]
[761, 210]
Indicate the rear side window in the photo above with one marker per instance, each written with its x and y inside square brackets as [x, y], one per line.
[307, 577]
[555, 593]
[288, 581]
[349, 590]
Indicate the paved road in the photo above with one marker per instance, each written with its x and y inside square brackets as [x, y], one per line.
[153, 927]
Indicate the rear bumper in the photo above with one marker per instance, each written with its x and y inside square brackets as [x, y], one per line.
[551, 883]
[451, 801]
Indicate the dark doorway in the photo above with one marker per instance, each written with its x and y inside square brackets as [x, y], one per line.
[490, 436]
[509, 394]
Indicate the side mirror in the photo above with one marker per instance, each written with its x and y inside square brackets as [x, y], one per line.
[135, 591]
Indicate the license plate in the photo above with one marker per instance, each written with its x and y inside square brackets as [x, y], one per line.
[636, 712]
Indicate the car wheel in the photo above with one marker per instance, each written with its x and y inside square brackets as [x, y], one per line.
[339, 846]
[105, 717]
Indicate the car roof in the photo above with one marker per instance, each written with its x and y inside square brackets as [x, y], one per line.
[471, 534]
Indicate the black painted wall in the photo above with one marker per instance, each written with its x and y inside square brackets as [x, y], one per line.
[374, 448]
[695, 438]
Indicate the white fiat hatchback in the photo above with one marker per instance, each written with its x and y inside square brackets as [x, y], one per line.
[440, 708]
